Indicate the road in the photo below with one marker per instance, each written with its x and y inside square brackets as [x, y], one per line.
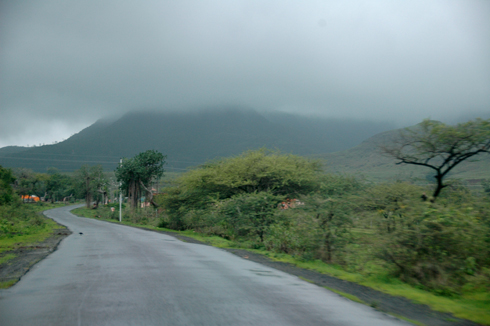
[109, 274]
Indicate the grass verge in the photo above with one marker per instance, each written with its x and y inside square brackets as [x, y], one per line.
[6, 285]
[28, 234]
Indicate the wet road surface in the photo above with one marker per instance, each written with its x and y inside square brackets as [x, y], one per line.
[117, 275]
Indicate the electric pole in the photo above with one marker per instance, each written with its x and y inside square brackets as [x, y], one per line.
[120, 197]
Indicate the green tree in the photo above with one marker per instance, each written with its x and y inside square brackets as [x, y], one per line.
[251, 172]
[333, 222]
[59, 186]
[88, 181]
[30, 183]
[391, 202]
[249, 213]
[6, 191]
[440, 147]
[136, 175]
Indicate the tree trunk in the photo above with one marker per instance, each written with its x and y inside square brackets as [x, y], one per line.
[439, 186]
[88, 197]
[328, 246]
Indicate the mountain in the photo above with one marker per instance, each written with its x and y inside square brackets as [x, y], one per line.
[366, 159]
[8, 150]
[192, 138]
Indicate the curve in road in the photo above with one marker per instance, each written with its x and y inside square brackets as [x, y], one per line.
[110, 274]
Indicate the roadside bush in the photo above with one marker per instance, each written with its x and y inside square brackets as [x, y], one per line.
[18, 220]
[390, 203]
[438, 248]
[456, 193]
[317, 228]
[248, 214]
[336, 185]
[211, 187]
[295, 233]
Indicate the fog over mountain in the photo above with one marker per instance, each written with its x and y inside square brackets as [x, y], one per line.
[192, 138]
[66, 64]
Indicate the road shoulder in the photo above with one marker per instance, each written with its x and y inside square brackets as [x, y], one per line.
[12, 270]
[397, 306]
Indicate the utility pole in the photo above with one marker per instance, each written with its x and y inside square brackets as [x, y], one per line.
[120, 197]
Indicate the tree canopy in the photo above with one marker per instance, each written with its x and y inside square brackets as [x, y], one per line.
[255, 171]
[88, 181]
[440, 147]
[136, 175]
[6, 191]
[251, 172]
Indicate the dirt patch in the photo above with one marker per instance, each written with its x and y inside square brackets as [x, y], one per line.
[28, 256]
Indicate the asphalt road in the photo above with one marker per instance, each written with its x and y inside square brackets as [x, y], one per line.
[118, 275]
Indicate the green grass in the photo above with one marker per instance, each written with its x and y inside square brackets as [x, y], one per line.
[6, 285]
[472, 306]
[8, 244]
[33, 234]
[7, 258]
[406, 319]
[27, 234]
[346, 295]
[40, 207]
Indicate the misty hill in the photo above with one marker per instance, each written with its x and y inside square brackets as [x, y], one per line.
[366, 159]
[7, 150]
[190, 139]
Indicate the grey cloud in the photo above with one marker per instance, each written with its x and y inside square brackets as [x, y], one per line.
[402, 61]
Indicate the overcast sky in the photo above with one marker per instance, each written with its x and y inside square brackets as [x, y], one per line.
[65, 64]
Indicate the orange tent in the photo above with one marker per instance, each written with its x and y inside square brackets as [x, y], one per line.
[30, 198]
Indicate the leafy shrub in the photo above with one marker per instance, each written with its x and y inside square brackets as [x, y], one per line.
[295, 233]
[438, 248]
[249, 214]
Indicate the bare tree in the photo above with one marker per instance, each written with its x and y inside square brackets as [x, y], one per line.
[440, 147]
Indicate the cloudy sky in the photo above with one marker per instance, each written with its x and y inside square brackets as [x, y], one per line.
[65, 64]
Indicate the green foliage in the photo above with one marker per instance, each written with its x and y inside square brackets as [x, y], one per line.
[253, 171]
[88, 182]
[381, 231]
[138, 172]
[249, 213]
[335, 185]
[295, 233]
[437, 247]
[317, 228]
[6, 191]
[30, 183]
[19, 220]
[59, 186]
[390, 202]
